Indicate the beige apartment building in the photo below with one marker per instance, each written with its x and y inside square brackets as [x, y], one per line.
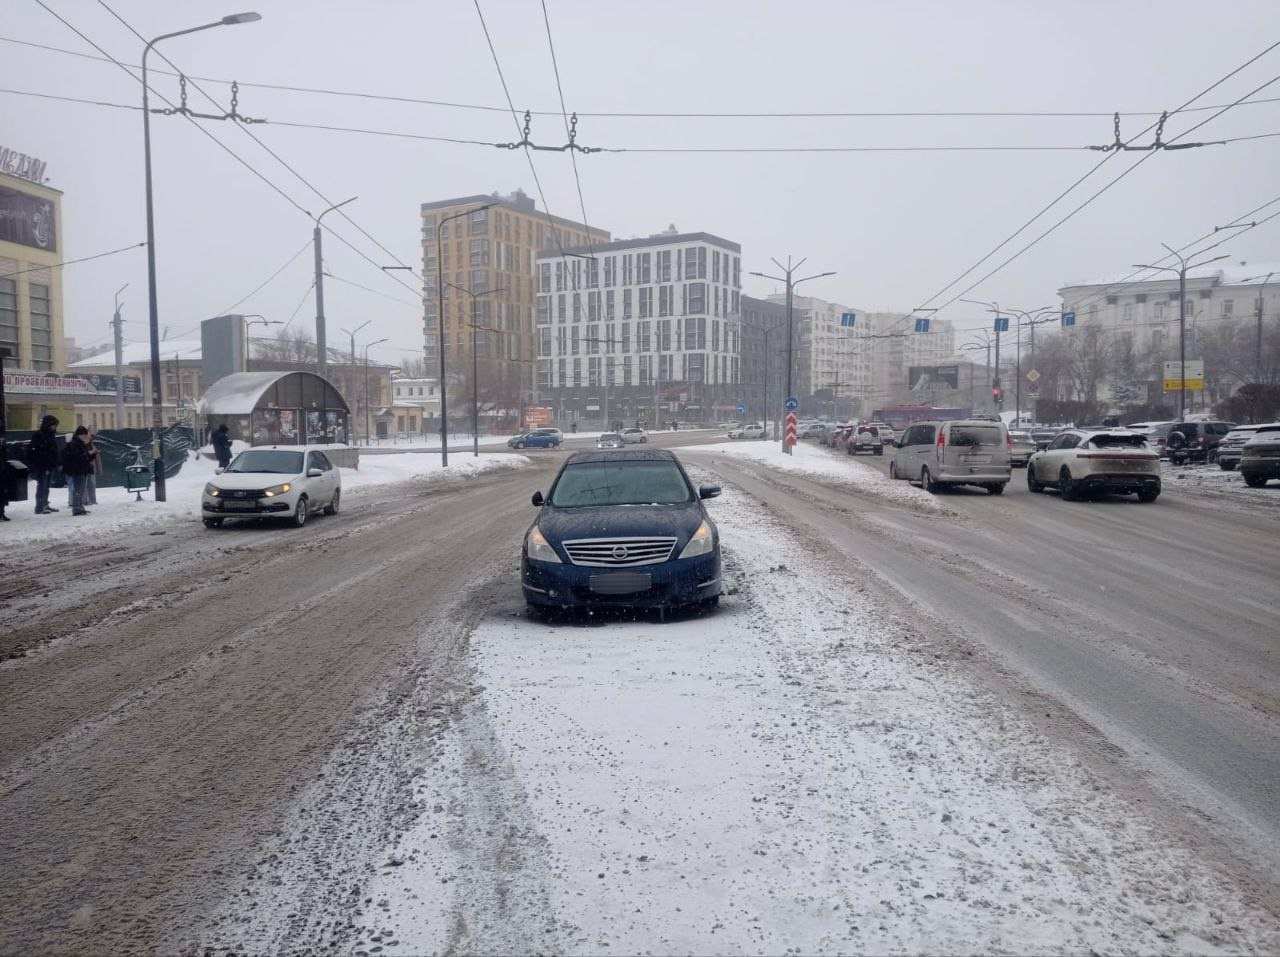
[491, 253]
[31, 294]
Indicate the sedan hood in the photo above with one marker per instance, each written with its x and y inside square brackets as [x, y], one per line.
[608, 521]
[251, 480]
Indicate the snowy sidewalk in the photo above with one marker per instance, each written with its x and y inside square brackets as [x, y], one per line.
[790, 774]
[117, 510]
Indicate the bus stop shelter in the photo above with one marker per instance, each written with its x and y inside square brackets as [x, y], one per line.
[277, 408]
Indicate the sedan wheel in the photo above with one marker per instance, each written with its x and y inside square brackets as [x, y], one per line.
[1226, 466]
[1033, 483]
[332, 507]
[300, 513]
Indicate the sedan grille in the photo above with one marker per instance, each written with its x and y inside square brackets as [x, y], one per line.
[619, 552]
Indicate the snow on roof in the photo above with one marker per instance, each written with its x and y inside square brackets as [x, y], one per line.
[238, 393]
[188, 350]
[1225, 274]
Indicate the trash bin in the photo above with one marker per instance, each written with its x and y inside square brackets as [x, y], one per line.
[17, 474]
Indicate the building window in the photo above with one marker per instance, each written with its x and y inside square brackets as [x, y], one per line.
[577, 307]
[646, 377]
[646, 301]
[479, 252]
[628, 276]
[593, 273]
[644, 268]
[593, 371]
[609, 305]
[544, 309]
[626, 304]
[737, 280]
[593, 339]
[576, 340]
[593, 306]
[664, 335]
[544, 276]
[666, 298]
[478, 222]
[664, 265]
[41, 328]
[561, 307]
[715, 265]
[1126, 312]
[626, 370]
[610, 270]
[9, 316]
[1228, 306]
[697, 297]
[562, 341]
[1112, 300]
[577, 373]
[544, 341]
[642, 335]
[695, 367]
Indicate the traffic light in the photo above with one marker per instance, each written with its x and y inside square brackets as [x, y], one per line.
[997, 393]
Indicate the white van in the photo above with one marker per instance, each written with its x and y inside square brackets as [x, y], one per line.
[941, 454]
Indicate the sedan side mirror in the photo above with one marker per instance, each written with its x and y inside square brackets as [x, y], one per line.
[314, 473]
[538, 499]
[218, 471]
[708, 491]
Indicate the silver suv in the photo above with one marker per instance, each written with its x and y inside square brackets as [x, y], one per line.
[941, 454]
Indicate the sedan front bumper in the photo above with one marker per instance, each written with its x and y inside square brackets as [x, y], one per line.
[229, 508]
[681, 581]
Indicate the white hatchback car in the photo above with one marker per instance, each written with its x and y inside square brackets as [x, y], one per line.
[634, 436]
[1079, 463]
[286, 481]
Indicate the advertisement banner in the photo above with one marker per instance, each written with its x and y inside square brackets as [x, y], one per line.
[107, 383]
[924, 377]
[39, 383]
[27, 220]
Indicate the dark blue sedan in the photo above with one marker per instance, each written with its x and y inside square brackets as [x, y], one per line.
[623, 528]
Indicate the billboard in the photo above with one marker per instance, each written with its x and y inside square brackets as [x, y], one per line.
[933, 377]
[538, 417]
[27, 220]
[1173, 376]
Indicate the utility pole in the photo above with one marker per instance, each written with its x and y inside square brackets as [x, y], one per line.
[1257, 345]
[788, 274]
[322, 350]
[366, 386]
[352, 334]
[118, 333]
[1183, 265]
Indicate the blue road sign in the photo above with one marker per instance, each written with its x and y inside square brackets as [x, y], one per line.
[922, 325]
[1002, 323]
[741, 408]
[1068, 319]
[792, 403]
[847, 319]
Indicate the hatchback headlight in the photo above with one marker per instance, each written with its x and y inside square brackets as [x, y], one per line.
[538, 548]
[212, 490]
[277, 489]
[702, 542]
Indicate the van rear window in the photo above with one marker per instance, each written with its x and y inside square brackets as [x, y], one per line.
[970, 435]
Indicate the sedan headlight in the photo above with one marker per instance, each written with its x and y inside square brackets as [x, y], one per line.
[703, 542]
[277, 489]
[538, 548]
[212, 490]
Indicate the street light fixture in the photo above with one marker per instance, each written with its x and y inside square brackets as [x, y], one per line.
[157, 409]
[475, 363]
[444, 391]
[322, 346]
[367, 437]
[788, 271]
[1183, 265]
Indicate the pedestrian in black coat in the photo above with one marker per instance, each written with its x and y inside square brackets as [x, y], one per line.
[43, 460]
[222, 445]
[77, 465]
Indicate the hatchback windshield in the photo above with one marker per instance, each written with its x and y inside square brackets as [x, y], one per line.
[620, 483]
[970, 435]
[267, 460]
[610, 437]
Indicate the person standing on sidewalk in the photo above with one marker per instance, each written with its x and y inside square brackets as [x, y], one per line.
[77, 465]
[43, 460]
[222, 445]
[91, 480]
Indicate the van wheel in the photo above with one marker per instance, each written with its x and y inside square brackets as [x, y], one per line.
[300, 513]
[927, 483]
[334, 503]
[1066, 487]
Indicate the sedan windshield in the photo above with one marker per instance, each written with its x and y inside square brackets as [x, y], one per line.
[267, 460]
[621, 483]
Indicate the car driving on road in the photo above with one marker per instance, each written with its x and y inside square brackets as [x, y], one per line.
[942, 454]
[753, 431]
[865, 439]
[547, 438]
[634, 436]
[1021, 448]
[1260, 457]
[1080, 463]
[624, 528]
[1232, 445]
[291, 482]
[610, 440]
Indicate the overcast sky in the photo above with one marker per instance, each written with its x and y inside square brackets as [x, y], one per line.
[896, 227]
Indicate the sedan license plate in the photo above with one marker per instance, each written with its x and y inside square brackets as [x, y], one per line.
[620, 583]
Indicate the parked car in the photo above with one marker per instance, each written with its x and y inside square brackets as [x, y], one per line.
[280, 481]
[634, 436]
[625, 528]
[887, 435]
[753, 431]
[963, 452]
[1079, 463]
[1232, 444]
[1042, 437]
[1260, 457]
[537, 439]
[865, 439]
[840, 438]
[1021, 448]
[1201, 440]
[610, 440]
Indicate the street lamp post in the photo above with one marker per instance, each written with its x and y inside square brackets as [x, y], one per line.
[788, 271]
[1028, 316]
[444, 391]
[351, 333]
[997, 397]
[1183, 265]
[157, 409]
[322, 350]
[366, 386]
[475, 362]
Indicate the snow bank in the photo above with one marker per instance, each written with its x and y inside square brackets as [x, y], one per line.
[1224, 488]
[117, 509]
[817, 462]
[785, 775]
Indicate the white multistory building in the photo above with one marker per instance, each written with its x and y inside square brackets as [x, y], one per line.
[640, 329]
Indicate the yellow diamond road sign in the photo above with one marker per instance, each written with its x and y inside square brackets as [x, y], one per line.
[1033, 376]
